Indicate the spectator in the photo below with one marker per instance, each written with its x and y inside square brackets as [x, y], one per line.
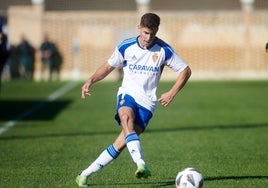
[4, 52]
[13, 62]
[26, 58]
[58, 60]
[48, 50]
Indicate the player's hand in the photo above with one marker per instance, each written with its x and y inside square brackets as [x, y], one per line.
[165, 99]
[85, 90]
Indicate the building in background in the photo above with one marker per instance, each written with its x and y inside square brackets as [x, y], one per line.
[218, 39]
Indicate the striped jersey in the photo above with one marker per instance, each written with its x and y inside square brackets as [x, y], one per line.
[143, 68]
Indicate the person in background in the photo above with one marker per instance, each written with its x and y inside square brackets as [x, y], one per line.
[58, 61]
[26, 56]
[48, 50]
[4, 53]
[13, 62]
[143, 59]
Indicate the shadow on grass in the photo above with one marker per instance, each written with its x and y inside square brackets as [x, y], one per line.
[32, 109]
[151, 131]
[234, 178]
[221, 127]
[171, 182]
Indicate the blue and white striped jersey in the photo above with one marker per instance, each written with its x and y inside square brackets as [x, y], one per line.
[143, 68]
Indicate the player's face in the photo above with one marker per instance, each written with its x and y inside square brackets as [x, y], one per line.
[146, 37]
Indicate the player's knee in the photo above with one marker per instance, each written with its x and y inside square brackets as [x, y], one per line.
[126, 118]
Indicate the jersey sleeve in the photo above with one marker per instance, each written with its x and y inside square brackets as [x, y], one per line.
[176, 63]
[116, 58]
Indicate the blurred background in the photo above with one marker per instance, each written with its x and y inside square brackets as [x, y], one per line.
[219, 39]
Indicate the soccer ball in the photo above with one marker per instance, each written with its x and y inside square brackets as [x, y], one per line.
[189, 178]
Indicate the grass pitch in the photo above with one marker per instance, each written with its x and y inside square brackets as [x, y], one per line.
[218, 127]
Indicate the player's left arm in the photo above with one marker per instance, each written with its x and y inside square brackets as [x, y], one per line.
[167, 97]
[100, 74]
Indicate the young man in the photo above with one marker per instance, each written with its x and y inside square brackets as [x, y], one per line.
[143, 59]
[4, 52]
[48, 51]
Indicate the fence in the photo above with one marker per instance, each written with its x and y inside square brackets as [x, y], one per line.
[216, 44]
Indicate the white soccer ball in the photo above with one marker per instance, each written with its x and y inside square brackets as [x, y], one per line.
[189, 178]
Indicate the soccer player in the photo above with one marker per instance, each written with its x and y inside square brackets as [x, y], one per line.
[143, 59]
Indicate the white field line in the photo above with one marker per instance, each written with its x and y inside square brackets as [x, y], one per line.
[61, 91]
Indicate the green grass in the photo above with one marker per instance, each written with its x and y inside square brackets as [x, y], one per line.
[218, 127]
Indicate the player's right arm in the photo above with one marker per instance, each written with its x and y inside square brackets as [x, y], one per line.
[100, 74]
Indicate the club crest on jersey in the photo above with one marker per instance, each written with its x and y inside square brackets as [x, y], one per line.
[155, 57]
[122, 102]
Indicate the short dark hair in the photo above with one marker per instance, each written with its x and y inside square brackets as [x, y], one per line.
[151, 21]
